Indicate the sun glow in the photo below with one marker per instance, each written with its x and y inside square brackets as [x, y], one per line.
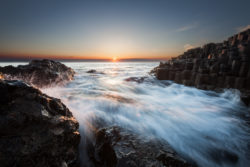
[114, 59]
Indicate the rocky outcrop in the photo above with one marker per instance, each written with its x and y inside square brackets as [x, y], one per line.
[92, 71]
[116, 147]
[40, 73]
[214, 66]
[135, 79]
[35, 129]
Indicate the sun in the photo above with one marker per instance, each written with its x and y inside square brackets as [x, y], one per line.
[114, 59]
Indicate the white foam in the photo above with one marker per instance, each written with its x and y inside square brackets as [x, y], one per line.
[197, 124]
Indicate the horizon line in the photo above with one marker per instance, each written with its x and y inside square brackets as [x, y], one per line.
[26, 57]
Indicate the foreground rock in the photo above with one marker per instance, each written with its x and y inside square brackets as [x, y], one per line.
[35, 129]
[115, 147]
[40, 73]
[214, 66]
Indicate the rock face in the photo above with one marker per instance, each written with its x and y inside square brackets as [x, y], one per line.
[214, 66]
[35, 129]
[116, 147]
[40, 73]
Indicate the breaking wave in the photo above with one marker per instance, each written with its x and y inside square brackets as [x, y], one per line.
[206, 127]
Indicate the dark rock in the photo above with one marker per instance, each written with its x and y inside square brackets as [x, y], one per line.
[178, 78]
[135, 79]
[245, 98]
[35, 129]
[202, 79]
[172, 75]
[236, 65]
[240, 83]
[189, 66]
[186, 75]
[40, 73]
[244, 69]
[115, 146]
[229, 82]
[162, 73]
[94, 72]
[214, 66]
[219, 156]
[91, 71]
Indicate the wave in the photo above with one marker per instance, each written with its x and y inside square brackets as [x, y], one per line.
[204, 126]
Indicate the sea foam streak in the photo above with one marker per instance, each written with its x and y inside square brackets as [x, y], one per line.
[207, 127]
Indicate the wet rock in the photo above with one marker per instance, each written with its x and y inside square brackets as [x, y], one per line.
[135, 79]
[214, 66]
[39, 73]
[240, 83]
[92, 71]
[220, 156]
[202, 79]
[35, 129]
[117, 147]
[162, 74]
[244, 69]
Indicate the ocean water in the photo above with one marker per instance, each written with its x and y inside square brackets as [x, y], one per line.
[208, 128]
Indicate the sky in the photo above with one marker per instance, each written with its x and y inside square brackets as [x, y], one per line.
[104, 29]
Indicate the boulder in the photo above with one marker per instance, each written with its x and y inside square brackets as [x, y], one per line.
[39, 73]
[35, 129]
[92, 71]
[116, 147]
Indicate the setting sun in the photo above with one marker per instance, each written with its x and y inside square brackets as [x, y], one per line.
[114, 59]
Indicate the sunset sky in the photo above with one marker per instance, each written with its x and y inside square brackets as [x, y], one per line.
[103, 29]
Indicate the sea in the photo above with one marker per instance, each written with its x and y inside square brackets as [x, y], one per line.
[210, 128]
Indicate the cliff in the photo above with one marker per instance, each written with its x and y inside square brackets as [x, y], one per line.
[213, 66]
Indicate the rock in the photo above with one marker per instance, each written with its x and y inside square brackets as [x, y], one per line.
[240, 83]
[92, 71]
[214, 66]
[35, 129]
[116, 147]
[172, 75]
[186, 74]
[245, 98]
[39, 73]
[135, 79]
[236, 65]
[178, 77]
[229, 82]
[202, 79]
[244, 69]
[162, 73]
[189, 66]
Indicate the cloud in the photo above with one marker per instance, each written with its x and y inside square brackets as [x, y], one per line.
[188, 46]
[243, 28]
[186, 28]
